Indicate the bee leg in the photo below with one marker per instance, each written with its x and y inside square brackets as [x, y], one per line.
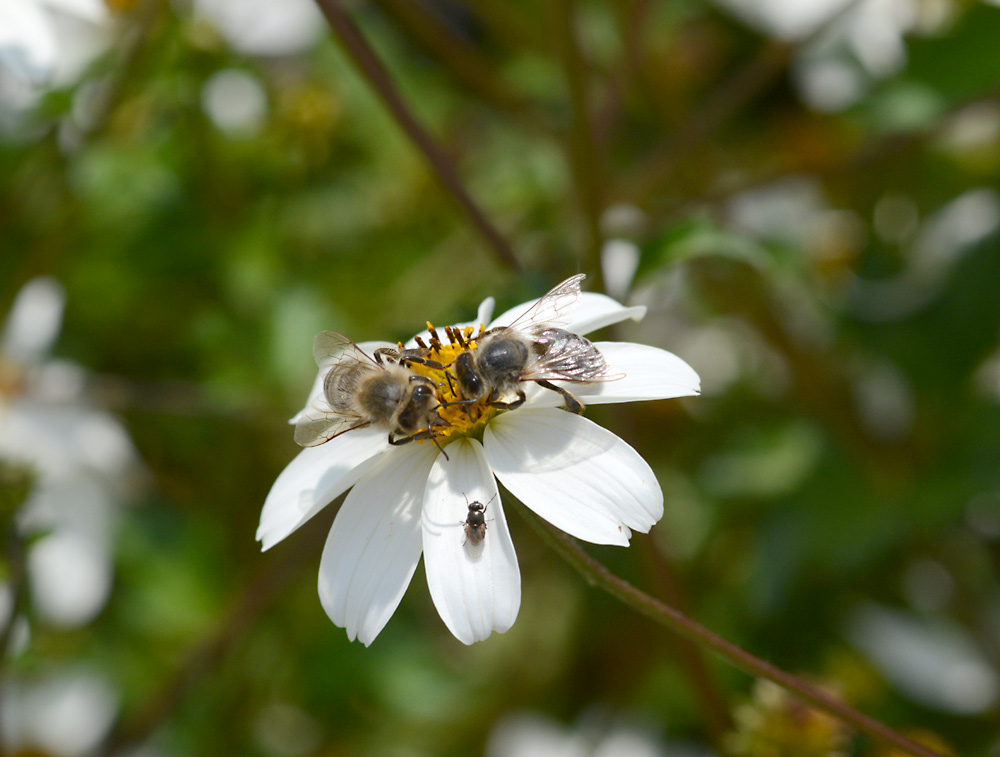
[389, 352]
[572, 404]
[433, 364]
[521, 397]
[425, 434]
[440, 448]
[452, 381]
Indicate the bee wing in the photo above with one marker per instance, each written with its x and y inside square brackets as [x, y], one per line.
[554, 307]
[319, 423]
[332, 347]
[317, 426]
[570, 357]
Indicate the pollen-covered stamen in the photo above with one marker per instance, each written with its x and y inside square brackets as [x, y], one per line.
[462, 415]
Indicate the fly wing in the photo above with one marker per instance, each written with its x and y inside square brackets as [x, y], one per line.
[553, 308]
[317, 426]
[568, 357]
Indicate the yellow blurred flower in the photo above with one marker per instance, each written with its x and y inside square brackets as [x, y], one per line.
[776, 724]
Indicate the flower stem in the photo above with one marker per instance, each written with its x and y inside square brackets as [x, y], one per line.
[712, 700]
[381, 81]
[597, 575]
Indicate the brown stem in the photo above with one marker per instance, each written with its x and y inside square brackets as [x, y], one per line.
[711, 698]
[515, 29]
[14, 557]
[17, 482]
[740, 89]
[463, 61]
[877, 150]
[597, 575]
[585, 154]
[378, 77]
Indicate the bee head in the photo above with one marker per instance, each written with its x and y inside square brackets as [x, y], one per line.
[468, 380]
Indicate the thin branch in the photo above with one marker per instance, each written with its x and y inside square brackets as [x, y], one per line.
[597, 575]
[516, 29]
[711, 698]
[379, 78]
[17, 482]
[462, 60]
[876, 150]
[733, 94]
[584, 153]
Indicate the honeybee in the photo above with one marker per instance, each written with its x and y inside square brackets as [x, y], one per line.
[361, 390]
[475, 523]
[532, 348]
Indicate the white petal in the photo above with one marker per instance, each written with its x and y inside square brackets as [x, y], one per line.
[476, 588]
[482, 318]
[575, 474]
[317, 388]
[650, 374]
[315, 477]
[592, 312]
[34, 320]
[375, 542]
[596, 311]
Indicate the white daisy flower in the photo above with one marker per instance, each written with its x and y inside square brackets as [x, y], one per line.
[415, 499]
[46, 43]
[83, 458]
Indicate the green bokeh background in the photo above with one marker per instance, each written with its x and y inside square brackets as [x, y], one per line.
[849, 430]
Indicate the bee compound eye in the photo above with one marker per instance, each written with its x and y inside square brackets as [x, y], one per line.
[422, 391]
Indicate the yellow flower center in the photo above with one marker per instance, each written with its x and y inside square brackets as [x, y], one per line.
[464, 417]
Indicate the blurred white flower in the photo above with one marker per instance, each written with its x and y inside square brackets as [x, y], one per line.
[83, 459]
[931, 252]
[527, 734]
[862, 41]
[45, 43]
[932, 661]
[63, 714]
[236, 102]
[264, 27]
[411, 500]
[788, 19]
[619, 261]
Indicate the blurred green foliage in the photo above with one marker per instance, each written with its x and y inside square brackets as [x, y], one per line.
[847, 333]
